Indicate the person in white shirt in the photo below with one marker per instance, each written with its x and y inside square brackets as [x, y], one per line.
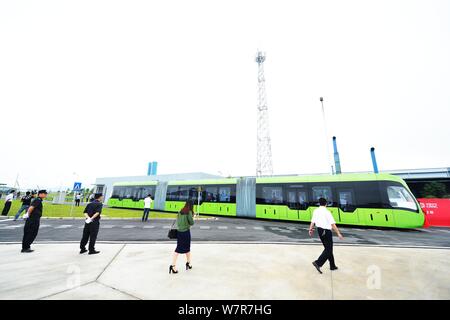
[324, 221]
[8, 201]
[147, 204]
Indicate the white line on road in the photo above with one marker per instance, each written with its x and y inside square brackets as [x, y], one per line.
[149, 227]
[258, 228]
[240, 228]
[222, 227]
[64, 226]
[10, 227]
[166, 227]
[204, 227]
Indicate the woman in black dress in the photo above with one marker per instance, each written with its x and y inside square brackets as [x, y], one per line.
[184, 222]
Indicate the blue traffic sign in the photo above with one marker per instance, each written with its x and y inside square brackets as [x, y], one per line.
[77, 186]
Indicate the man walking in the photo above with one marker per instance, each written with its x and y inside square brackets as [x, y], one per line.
[92, 224]
[147, 204]
[8, 201]
[26, 202]
[33, 219]
[324, 221]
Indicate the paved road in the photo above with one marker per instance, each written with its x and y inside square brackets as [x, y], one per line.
[225, 229]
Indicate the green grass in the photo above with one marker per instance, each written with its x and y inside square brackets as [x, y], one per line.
[64, 210]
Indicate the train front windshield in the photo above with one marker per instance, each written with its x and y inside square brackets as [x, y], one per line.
[401, 198]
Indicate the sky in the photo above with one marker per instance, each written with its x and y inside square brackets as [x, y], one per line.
[99, 88]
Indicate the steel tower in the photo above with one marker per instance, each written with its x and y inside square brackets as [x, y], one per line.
[264, 151]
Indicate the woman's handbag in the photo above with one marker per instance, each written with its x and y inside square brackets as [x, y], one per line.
[173, 232]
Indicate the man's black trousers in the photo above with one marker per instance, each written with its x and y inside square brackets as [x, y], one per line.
[326, 237]
[6, 208]
[30, 231]
[90, 233]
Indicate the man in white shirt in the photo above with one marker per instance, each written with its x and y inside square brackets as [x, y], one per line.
[147, 204]
[324, 221]
[8, 201]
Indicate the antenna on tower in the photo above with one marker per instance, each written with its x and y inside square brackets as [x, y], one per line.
[264, 150]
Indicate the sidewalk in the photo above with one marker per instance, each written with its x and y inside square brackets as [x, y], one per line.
[222, 271]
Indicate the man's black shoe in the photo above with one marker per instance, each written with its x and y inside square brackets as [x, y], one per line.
[83, 251]
[26, 250]
[333, 268]
[94, 252]
[317, 267]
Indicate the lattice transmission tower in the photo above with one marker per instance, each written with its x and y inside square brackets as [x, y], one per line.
[264, 150]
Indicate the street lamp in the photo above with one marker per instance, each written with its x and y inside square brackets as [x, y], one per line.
[326, 135]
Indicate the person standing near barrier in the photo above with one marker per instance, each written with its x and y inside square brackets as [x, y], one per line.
[77, 199]
[26, 202]
[184, 221]
[92, 224]
[8, 201]
[32, 222]
[324, 221]
[147, 203]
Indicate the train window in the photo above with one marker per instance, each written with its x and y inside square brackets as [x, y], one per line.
[322, 192]
[194, 194]
[118, 192]
[172, 194]
[146, 191]
[224, 194]
[211, 194]
[367, 194]
[128, 194]
[400, 198]
[271, 195]
[346, 200]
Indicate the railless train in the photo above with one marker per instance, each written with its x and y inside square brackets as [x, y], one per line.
[354, 199]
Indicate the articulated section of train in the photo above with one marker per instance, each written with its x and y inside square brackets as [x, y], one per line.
[354, 199]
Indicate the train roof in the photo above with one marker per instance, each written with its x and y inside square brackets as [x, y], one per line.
[332, 178]
[278, 179]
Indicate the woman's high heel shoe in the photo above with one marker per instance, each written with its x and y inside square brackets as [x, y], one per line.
[188, 266]
[172, 270]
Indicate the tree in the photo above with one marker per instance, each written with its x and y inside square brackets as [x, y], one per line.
[434, 190]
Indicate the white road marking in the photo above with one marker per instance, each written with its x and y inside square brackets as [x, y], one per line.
[222, 228]
[44, 226]
[149, 227]
[258, 228]
[240, 228]
[128, 227]
[286, 231]
[108, 226]
[11, 227]
[204, 227]
[64, 226]
[166, 227]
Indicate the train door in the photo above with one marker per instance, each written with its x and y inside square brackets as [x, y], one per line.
[297, 205]
[324, 191]
[347, 206]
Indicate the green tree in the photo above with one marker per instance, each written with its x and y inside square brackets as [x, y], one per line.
[434, 190]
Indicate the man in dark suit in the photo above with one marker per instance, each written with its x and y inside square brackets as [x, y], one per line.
[92, 224]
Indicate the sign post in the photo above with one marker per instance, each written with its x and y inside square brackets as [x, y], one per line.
[76, 188]
[198, 200]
